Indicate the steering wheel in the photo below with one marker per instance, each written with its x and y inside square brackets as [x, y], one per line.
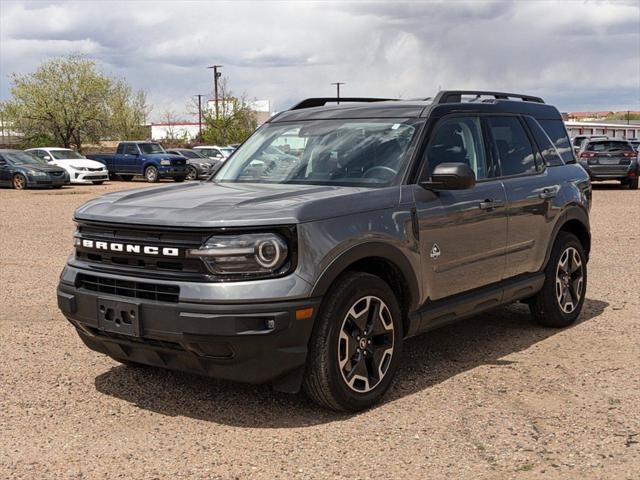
[388, 170]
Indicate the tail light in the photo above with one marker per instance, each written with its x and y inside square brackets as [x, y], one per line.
[587, 155]
[631, 154]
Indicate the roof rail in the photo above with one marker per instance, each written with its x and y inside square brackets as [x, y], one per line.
[455, 96]
[321, 101]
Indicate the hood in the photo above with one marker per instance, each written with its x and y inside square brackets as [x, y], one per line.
[78, 162]
[160, 156]
[210, 204]
[41, 168]
[208, 160]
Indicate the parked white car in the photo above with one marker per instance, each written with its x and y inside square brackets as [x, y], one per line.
[213, 151]
[79, 168]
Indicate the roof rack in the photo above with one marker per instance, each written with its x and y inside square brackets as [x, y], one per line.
[455, 96]
[321, 101]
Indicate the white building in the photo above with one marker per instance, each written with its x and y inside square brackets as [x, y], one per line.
[178, 130]
[616, 130]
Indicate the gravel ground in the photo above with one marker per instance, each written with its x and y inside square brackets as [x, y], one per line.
[490, 397]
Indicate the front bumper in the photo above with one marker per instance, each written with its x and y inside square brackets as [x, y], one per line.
[172, 171]
[88, 177]
[48, 181]
[252, 343]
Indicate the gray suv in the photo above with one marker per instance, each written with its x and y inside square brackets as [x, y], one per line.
[332, 235]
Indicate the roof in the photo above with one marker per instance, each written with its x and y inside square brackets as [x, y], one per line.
[50, 148]
[443, 102]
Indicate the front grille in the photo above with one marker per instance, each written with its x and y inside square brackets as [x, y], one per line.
[56, 174]
[98, 169]
[128, 288]
[182, 267]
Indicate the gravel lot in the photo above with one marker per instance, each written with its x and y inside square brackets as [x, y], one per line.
[490, 397]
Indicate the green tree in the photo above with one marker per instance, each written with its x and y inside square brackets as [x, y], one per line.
[235, 122]
[68, 102]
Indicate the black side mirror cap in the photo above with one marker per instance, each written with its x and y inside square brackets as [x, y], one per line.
[451, 176]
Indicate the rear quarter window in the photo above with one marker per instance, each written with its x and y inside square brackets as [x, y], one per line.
[550, 154]
[557, 132]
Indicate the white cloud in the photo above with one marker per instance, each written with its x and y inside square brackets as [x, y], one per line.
[576, 54]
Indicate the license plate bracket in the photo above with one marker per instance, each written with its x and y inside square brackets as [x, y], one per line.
[118, 317]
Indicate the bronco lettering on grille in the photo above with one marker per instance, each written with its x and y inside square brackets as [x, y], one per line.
[127, 247]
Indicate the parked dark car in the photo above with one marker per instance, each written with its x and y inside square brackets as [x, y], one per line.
[198, 165]
[22, 170]
[310, 271]
[578, 140]
[143, 158]
[610, 159]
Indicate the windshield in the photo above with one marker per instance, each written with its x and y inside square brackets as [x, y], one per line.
[151, 148]
[65, 154]
[227, 151]
[23, 158]
[209, 152]
[362, 152]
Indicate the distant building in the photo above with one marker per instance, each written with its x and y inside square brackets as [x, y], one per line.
[615, 129]
[189, 130]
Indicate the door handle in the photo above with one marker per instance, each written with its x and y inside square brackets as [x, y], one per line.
[548, 193]
[488, 204]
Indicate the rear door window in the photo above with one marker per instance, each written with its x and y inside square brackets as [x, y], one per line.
[131, 149]
[512, 144]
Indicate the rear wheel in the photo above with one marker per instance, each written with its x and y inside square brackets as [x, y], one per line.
[192, 173]
[356, 344]
[633, 183]
[19, 181]
[560, 301]
[151, 174]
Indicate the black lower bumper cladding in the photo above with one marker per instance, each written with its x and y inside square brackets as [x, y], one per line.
[254, 343]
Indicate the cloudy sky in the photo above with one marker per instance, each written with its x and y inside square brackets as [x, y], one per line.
[579, 55]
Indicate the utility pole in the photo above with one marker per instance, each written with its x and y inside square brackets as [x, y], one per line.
[628, 112]
[199, 116]
[216, 75]
[337, 84]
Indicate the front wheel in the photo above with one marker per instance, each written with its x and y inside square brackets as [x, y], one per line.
[192, 173]
[151, 174]
[560, 301]
[356, 344]
[19, 181]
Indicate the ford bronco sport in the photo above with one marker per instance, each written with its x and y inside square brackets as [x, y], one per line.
[333, 234]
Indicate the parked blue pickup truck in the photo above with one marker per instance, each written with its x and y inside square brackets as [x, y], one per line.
[143, 158]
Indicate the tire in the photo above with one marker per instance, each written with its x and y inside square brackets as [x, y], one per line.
[178, 179]
[151, 174]
[19, 182]
[126, 178]
[337, 347]
[633, 183]
[555, 305]
[192, 173]
[98, 182]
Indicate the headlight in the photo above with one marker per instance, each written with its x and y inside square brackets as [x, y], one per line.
[165, 162]
[81, 169]
[258, 254]
[36, 173]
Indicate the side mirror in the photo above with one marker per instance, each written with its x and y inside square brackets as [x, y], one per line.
[451, 176]
[47, 158]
